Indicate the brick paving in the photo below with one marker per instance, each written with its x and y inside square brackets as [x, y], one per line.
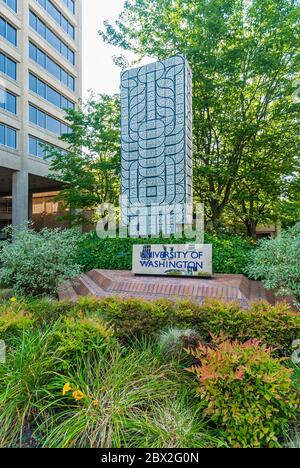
[108, 283]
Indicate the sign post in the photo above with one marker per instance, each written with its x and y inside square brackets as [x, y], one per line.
[173, 260]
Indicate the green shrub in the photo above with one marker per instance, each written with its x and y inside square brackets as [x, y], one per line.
[276, 325]
[133, 318]
[173, 341]
[72, 338]
[230, 253]
[277, 263]
[47, 311]
[174, 424]
[14, 320]
[23, 380]
[36, 263]
[246, 392]
[6, 294]
[293, 438]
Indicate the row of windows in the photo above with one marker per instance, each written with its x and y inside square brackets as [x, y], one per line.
[13, 4]
[58, 17]
[41, 88]
[42, 59]
[8, 101]
[8, 136]
[36, 147]
[46, 121]
[71, 5]
[8, 31]
[8, 66]
[42, 29]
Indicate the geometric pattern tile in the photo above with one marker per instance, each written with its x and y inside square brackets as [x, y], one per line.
[156, 128]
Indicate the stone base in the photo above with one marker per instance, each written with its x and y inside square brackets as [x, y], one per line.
[108, 283]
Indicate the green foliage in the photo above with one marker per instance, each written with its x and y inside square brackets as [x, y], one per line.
[276, 325]
[22, 381]
[36, 263]
[230, 253]
[13, 321]
[173, 341]
[6, 294]
[69, 382]
[277, 263]
[90, 166]
[244, 58]
[72, 338]
[245, 391]
[173, 424]
[133, 318]
[116, 389]
[293, 439]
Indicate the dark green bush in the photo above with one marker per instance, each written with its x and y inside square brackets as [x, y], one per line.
[134, 318]
[230, 253]
[276, 326]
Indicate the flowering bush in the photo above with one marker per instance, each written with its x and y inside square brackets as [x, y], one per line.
[246, 391]
[36, 263]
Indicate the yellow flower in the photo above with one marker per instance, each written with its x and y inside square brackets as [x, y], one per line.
[67, 388]
[95, 403]
[78, 395]
[13, 299]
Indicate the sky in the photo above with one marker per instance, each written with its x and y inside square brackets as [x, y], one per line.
[99, 72]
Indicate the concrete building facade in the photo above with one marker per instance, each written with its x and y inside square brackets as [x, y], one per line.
[40, 76]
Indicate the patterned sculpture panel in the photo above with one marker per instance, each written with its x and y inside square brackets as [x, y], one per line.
[156, 102]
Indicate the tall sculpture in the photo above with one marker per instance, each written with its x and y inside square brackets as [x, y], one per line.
[156, 110]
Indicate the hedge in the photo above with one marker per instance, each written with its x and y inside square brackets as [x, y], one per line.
[134, 318]
[230, 253]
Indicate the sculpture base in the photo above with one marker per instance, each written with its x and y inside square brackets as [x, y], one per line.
[108, 283]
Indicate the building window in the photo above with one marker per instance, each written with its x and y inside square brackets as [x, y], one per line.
[13, 4]
[38, 86]
[8, 66]
[36, 147]
[70, 4]
[42, 59]
[8, 136]
[8, 101]
[42, 29]
[46, 121]
[58, 17]
[8, 31]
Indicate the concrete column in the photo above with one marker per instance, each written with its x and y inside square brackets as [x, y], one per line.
[20, 197]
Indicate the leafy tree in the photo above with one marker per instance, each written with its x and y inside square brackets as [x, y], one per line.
[90, 166]
[290, 211]
[245, 56]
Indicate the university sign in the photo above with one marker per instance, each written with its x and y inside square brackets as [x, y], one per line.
[173, 260]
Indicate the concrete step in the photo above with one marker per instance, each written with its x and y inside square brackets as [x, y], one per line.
[66, 292]
[258, 292]
[99, 277]
[85, 286]
[107, 283]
